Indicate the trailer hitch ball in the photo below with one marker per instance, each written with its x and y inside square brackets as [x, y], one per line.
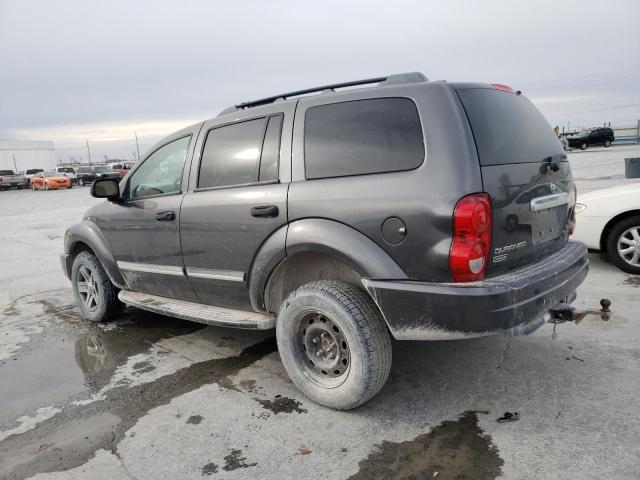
[564, 313]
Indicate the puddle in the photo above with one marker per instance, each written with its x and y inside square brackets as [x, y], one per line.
[233, 461]
[72, 436]
[633, 281]
[455, 449]
[281, 405]
[72, 358]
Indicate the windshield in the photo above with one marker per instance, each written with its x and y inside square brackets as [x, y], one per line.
[31, 171]
[103, 169]
[6, 172]
[51, 174]
[66, 169]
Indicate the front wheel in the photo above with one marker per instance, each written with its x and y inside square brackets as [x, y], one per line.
[623, 244]
[333, 343]
[607, 143]
[96, 296]
[583, 146]
[81, 182]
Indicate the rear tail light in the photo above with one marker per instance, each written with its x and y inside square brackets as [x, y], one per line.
[471, 245]
[572, 220]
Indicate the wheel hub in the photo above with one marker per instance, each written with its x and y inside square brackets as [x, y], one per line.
[87, 288]
[325, 348]
[629, 246]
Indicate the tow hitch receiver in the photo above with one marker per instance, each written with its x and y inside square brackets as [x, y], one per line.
[565, 313]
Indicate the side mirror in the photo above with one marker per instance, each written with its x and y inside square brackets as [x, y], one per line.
[106, 188]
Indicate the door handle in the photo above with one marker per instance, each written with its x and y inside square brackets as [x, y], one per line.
[166, 216]
[265, 211]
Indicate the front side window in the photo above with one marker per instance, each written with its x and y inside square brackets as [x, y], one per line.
[241, 153]
[362, 136]
[161, 172]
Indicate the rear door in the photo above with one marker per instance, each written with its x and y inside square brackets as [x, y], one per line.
[237, 198]
[526, 173]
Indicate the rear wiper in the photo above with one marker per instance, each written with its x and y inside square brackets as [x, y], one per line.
[552, 163]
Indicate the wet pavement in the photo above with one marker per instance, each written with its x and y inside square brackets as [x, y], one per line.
[151, 397]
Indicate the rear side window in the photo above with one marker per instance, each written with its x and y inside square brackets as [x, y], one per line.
[508, 128]
[362, 136]
[241, 153]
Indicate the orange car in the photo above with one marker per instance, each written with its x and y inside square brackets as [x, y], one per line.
[49, 181]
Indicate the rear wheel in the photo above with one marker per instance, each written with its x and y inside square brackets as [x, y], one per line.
[623, 244]
[81, 181]
[583, 146]
[96, 296]
[334, 343]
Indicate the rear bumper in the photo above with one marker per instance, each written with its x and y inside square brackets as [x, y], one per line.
[515, 302]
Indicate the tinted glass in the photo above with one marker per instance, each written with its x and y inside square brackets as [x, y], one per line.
[161, 172]
[231, 154]
[507, 128]
[363, 136]
[271, 150]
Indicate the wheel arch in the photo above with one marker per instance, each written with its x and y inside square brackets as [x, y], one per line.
[86, 236]
[612, 223]
[315, 249]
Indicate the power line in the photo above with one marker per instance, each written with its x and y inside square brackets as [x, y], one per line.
[594, 110]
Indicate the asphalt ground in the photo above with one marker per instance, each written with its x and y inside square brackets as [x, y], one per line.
[151, 397]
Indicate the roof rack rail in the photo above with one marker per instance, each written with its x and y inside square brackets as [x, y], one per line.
[412, 77]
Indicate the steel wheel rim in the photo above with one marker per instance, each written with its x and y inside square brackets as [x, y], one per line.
[323, 349]
[629, 246]
[87, 286]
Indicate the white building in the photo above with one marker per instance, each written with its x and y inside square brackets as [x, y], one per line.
[27, 154]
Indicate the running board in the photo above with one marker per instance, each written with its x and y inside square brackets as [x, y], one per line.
[197, 312]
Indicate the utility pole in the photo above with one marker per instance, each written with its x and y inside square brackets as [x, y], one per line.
[88, 152]
[137, 147]
[14, 162]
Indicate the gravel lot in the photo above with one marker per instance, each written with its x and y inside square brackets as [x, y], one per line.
[149, 397]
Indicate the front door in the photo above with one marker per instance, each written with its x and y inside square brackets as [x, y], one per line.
[144, 228]
[237, 199]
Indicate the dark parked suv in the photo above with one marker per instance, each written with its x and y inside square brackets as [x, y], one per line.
[342, 219]
[87, 175]
[597, 136]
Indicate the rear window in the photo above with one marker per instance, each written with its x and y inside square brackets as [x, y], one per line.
[241, 153]
[507, 128]
[362, 136]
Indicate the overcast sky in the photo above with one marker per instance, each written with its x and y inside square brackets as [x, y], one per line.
[100, 70]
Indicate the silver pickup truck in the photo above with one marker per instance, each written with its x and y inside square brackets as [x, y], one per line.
[8, 179]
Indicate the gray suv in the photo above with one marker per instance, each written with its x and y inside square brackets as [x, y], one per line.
[342, 219]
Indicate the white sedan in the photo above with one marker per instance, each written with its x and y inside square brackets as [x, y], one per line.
[609, 220]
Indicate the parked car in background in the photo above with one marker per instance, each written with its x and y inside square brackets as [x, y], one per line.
[29, 173]
[121, 168]
[87, 175]
[9, 179]
[51, 180]
[609, 220]
[68, 172]
[320, 216]
[587, 138]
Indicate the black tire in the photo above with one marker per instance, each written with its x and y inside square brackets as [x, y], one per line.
[362, 343]
[612, 243]
[607, 143]
[583, 146]
[106, 306]
[81, 182]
